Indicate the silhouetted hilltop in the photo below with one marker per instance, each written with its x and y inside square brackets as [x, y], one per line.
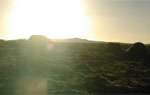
[74, 40]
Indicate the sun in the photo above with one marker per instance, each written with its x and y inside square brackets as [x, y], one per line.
[52, 18]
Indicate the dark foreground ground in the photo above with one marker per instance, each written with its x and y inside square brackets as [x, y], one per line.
[71, 68]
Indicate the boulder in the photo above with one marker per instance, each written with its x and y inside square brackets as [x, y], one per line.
[38, 46]
[95, 84]
[39, 42]
[137, 52]
[115, 49]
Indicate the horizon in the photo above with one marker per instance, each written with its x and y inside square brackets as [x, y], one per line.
[76, 38]
[122, 21]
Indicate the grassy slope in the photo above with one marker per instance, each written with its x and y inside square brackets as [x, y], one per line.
[77, 68]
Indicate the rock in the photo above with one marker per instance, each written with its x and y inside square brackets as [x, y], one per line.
[39, 43]
[38, 46]
[115, 49]
[95, 84]
[137, 52]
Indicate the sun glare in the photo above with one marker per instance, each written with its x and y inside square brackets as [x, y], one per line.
[52, 18]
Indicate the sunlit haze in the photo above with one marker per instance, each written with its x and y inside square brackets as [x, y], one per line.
[101, 20]
[52, 18]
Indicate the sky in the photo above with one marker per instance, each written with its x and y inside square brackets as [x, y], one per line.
[120, 20]
[5, 8]
[102, 20]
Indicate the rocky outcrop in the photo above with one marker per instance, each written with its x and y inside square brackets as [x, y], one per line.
[38, 43]
[115, 49]
[137, 52]
[38, 46]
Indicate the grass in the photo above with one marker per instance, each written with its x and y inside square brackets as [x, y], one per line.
[70, 68]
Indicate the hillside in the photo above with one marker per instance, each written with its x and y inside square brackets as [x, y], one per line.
[73, 66]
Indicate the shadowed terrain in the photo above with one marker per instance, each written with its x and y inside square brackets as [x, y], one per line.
[74, 66]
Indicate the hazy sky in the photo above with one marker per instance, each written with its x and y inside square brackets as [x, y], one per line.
[120, 20]
[111, 20]
[5, 8]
